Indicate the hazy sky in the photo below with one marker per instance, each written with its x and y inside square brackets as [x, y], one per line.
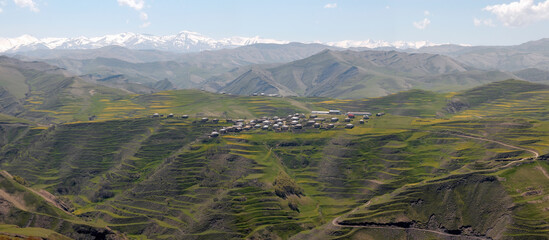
[477, 22]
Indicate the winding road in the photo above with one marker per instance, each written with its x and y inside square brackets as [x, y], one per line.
[536, 154]
[336, 223]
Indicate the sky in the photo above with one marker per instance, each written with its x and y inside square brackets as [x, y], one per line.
[475, 22]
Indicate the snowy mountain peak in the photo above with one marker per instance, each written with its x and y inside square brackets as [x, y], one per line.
[380, 44]
[184, 41]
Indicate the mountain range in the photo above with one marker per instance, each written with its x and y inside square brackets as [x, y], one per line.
[293, 69]
[351, 74]
[532, 54]
[188, 70]
[145, 64]
[184, 41]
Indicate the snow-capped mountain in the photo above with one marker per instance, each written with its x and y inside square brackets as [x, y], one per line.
[182, 42]
[380, 44]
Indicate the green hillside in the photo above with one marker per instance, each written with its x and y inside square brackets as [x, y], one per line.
[417, 103]
[494, 91]
[422, 170]
[510, 98]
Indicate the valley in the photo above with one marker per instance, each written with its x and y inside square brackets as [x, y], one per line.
[116, 143]
[435, 165]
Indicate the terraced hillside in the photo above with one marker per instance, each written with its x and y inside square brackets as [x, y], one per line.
[31, 214]
[422, 170]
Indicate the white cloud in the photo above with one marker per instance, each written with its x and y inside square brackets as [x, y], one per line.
[1, 10]
[27, 4]
[144, 16]
[135, 4]
[145, 24]
[523, 12]
[485, 22]
[422, 24]
[330, 5]
[426, 13]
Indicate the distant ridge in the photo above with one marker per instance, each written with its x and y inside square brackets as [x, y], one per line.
[350, 74]
[532, 54]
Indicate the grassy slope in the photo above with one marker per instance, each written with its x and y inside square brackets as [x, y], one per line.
[509, 89]
[163, 178]
[26, 213]
[191, 102]
[416, 103]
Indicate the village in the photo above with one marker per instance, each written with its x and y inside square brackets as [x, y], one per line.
[316, 119]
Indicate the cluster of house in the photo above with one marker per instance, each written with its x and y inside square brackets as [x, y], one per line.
[158, 115]
[266, 94]
[257, 94]
[291, 122]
